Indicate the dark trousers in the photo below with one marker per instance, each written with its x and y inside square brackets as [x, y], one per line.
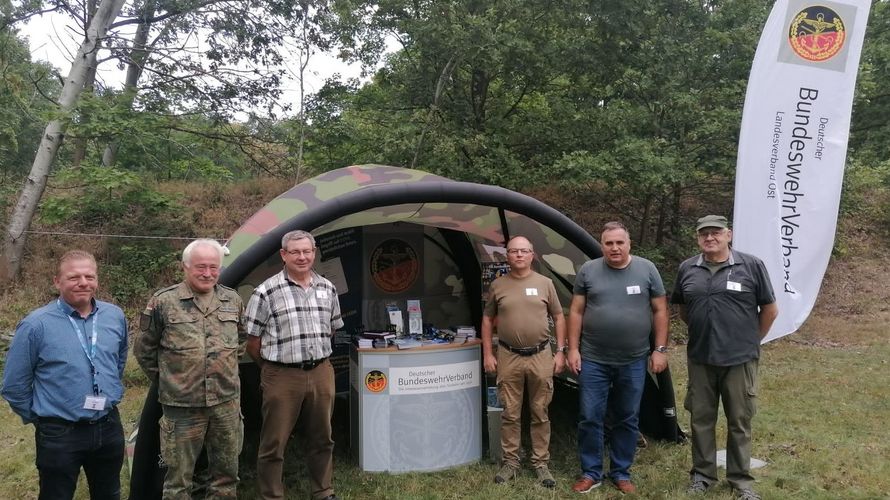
[736, 387]
[63, 448]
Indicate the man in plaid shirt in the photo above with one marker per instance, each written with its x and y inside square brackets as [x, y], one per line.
[291, 318]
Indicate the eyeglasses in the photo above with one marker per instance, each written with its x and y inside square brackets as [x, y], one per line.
[519, 251]
[304, 253]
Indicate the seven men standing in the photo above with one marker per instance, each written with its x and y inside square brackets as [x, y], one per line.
[63, 374]
[192, 335]
[522, 301]
[291, 318]
[726, 299]
[193, 332]
[619, 300]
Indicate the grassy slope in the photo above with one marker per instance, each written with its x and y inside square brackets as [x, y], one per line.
[822, 423]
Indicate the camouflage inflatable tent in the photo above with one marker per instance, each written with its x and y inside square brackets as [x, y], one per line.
[387, 234]
[360, 197]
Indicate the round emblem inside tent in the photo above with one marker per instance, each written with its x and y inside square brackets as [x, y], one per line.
[394, 266]
[817, 33]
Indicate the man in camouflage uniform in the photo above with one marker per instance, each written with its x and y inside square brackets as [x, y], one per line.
[191, 338]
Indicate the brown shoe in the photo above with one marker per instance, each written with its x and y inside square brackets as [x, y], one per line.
[507, 473]
[584, 484]
[545, 477]
[625, 486]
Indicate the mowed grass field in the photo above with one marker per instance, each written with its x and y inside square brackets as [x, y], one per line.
[823, 427]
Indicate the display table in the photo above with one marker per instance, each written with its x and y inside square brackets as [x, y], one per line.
[416, 409]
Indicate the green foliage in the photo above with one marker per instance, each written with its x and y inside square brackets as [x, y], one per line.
[168, 146]
[96, 195]
[870, 128]
[132, 271]
[642, 97]
[865, 201]
[864, 182]
[22, 105]
[199, 168]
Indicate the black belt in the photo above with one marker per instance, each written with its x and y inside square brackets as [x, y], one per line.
[305, 365]
[78, 423]
[526, 351]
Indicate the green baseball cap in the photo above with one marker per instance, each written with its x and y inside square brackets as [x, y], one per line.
[712, 221]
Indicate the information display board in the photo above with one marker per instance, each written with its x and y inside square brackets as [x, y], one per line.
[416, 409]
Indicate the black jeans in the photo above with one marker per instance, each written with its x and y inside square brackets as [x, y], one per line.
[63, 448]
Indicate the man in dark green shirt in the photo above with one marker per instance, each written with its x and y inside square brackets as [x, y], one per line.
[726, 299]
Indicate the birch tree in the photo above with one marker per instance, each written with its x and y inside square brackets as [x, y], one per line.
[35, 184]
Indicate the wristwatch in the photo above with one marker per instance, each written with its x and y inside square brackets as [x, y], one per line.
[662, 349]
[564, 349]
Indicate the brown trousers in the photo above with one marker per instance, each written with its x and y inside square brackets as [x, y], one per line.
[516, 374]
[290, 394]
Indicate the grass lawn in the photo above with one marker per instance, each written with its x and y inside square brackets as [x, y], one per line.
[822, 426]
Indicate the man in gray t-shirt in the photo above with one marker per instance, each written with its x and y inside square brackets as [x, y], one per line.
[618, 302]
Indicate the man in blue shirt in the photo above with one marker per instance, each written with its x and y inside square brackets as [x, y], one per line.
[63, 374]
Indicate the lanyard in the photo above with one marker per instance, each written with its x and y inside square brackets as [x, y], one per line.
[82, 337]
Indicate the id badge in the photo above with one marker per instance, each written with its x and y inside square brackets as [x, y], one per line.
[633, 290]
[96, 403]
[321, 294]
[735, 286]
[531, 292]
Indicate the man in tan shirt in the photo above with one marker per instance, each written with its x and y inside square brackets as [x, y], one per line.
[522, 302]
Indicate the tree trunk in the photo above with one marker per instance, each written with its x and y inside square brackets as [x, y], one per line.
[305, 54]
[138, 55]
[642, 238]
[675, 212]
[35, 184]
[662, 214]
[444, 76]
[80, 143]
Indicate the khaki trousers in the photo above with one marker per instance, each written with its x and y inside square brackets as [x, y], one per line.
[290, 394]
[516, 375]
[736, 386]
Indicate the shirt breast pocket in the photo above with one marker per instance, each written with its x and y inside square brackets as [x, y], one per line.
[182, 332]
[229, 329]
[739, 282]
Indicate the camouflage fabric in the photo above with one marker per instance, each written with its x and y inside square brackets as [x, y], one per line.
[185, 431]
[483, 224]
[193, 354]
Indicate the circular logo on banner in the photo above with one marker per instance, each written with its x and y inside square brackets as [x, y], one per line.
[817, 33]
[375, 381]
[394, 266]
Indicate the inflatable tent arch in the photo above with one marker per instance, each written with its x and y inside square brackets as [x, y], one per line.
[366, 195]
[462, 223]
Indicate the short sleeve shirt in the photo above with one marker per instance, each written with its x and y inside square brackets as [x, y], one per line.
[722, 309]
[522, 307]
[295, 323]
[617, 318]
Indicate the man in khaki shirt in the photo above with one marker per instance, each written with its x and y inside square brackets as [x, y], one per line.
[522, 302]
